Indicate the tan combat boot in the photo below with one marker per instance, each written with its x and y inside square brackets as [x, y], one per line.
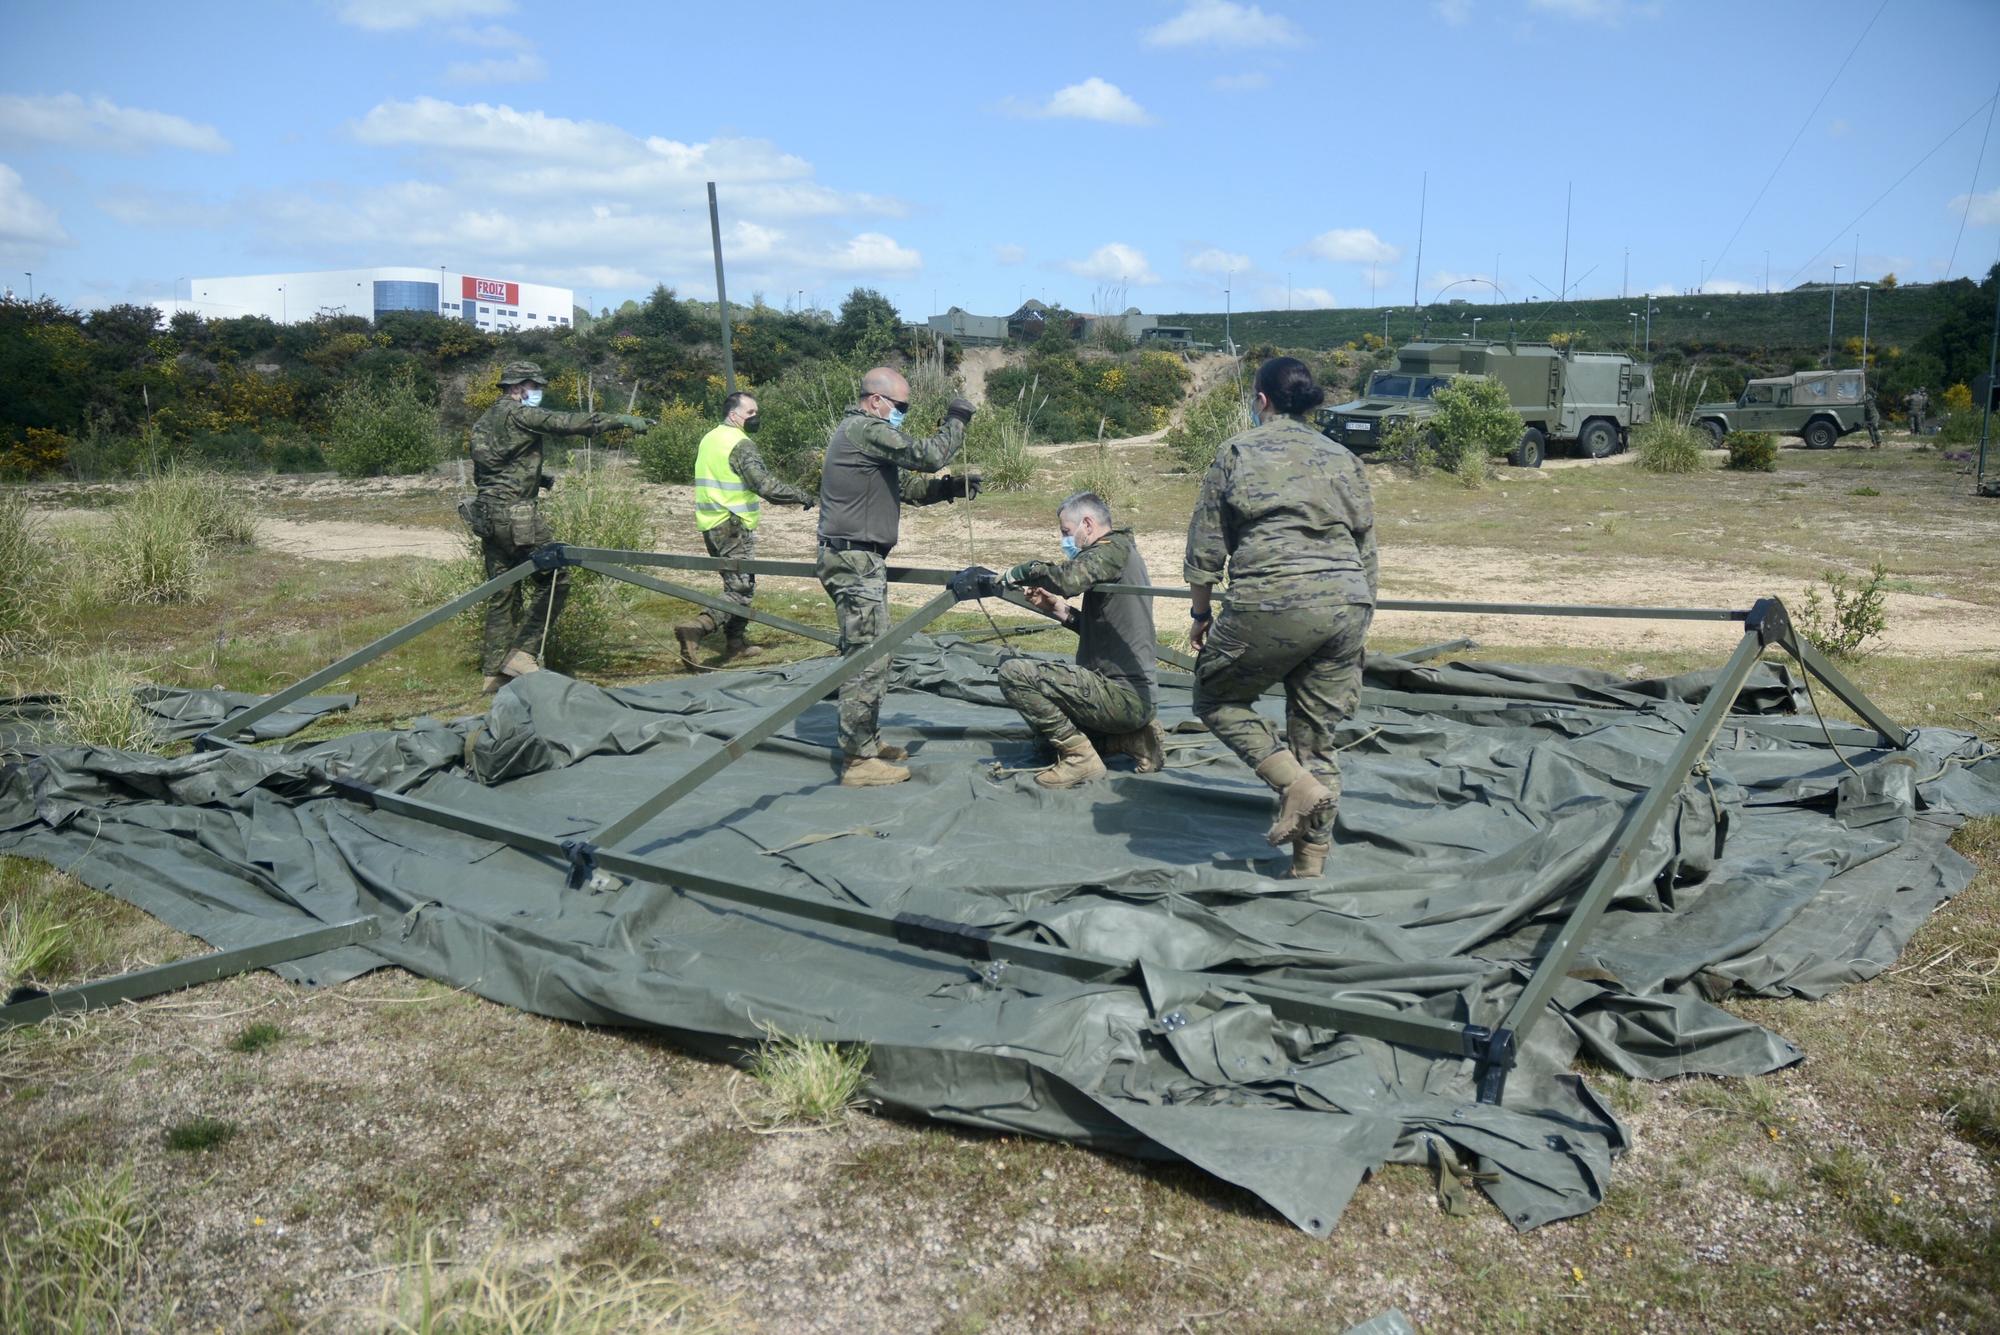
[1076, 762]
[689, 634]
[1300, 795]
[871, 772]
[739, 646]
[1148, 746]
[492, 684]
[1308, 860]
[519, 664]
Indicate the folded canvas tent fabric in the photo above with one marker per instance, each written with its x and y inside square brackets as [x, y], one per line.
[1478, 800]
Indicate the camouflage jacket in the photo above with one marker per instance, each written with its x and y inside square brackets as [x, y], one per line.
[1286, 514]
[749, 466]
[1114, 631]
[507, 447]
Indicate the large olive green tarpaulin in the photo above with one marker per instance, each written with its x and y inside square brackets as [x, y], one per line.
[1479, 800]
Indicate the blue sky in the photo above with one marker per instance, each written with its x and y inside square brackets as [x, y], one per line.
[973, 155]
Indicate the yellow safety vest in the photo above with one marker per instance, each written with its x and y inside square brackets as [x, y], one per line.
[718, 492]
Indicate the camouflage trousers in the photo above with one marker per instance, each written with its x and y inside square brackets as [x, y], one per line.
[732, 541]
[1316, 653]
[510, 626]
[858, 584]
[1057, 699]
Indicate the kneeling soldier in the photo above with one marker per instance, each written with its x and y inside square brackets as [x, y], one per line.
[1108, 691]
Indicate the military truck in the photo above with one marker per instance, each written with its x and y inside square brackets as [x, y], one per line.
[1176, 338]
[1589, 400]
[1819, 406]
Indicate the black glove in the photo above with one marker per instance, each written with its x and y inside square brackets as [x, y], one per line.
[548, 482]
[962, 409]
[974, 582]
[955, 487]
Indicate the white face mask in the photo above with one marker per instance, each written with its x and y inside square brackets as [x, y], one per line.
[533, 398]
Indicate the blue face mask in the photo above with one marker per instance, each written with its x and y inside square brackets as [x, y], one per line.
[1069, 546]
[1256, 418]
[533, 398]
[895, 417]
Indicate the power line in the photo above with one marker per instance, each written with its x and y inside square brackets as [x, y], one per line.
[1794, 144]
[1952, 134]
[1969, 190]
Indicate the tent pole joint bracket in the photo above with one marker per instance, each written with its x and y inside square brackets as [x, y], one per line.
[552, 556]
[1495, 1051]
[581, 855]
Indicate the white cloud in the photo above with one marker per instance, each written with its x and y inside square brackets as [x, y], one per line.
[1596, 11]
[1213, 261]
[65, 118]
[1453, 12]
[1240, 83]
[1273, 296]
[1114, 263]
[873, 253]
[1353, 245]
[1009, 253]
[1839, 128]
[136, 207]
[521, 67]
[1223, 23]
[1092, 100]
[1985, 208]
[399, 15]
[28, 227]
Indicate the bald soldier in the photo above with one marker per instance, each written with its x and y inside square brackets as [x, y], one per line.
[871, 468]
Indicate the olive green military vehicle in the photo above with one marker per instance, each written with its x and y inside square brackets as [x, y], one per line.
[1588, 400]
[1820, 406]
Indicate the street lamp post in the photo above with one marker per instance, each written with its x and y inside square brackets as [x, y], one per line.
[1649, 326]
[283, 315]
[31, 285]
[1228, 342]
[1475, 325]
[1634, 317]
[1832, 298]
[1385, 327]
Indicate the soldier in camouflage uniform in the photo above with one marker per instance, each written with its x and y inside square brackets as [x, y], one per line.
[1108, 691]
[507, 518]
[1286, 514]
[730, 480]
[871, 467]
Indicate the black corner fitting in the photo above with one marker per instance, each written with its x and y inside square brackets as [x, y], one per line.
[552, 556]
[1769, 622]
[582, 856]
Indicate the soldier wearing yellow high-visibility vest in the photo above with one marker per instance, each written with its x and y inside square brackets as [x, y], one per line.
[729, 480]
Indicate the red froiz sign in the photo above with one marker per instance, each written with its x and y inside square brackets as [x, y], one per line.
[495, 290]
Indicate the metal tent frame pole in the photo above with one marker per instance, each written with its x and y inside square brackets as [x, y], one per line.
[1494, 1049]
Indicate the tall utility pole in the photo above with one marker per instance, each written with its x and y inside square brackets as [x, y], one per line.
[1986, 409]
[1867, 291]
[1228, 343]
[1832, 297]
[721, 293]
[1568, 190]
[1422, 200]
[31, 285]
[1649, 325]
[1496, 279]
[1371, 282]
[1767, 273]
[1625, 278]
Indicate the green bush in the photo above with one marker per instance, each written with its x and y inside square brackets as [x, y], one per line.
[997, 445]
[798, 411]
[666, 453]
[390, 427]
[1752, 451]
[1410, 446]
[24, 556]
[1475, 422]
[1670, 446]
[598, 504]
[1848, 616]
[1211, 419]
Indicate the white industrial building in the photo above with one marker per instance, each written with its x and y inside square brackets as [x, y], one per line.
[486, 301]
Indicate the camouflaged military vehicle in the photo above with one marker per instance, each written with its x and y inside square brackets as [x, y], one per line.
[1589, 400]
[1820, 406]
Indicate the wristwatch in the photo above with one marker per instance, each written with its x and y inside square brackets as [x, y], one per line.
[1199, 616]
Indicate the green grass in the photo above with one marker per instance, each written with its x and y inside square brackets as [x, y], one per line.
[198, 1134]
[802, 1082]
[74, 1261]
[257, 1037]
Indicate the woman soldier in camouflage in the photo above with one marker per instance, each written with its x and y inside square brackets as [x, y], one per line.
[1285, 514]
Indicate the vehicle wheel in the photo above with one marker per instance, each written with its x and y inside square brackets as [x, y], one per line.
[1531, 451]
[1715, 432]
[1599, 438]
[1819, 434]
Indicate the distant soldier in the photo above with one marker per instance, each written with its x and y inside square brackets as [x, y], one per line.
[1920, 403]
[1287, 516]
[1106, 696]
[1871, 417]
[729, 480]
[871, 467]
[507, 516]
